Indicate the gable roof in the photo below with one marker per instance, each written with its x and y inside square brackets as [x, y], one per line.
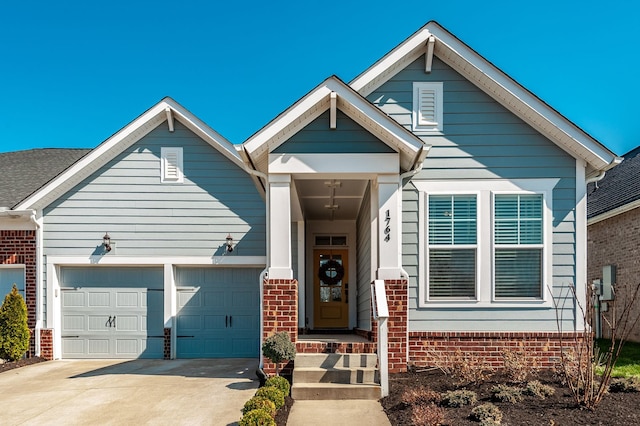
[164, 111]
[24, 172]
[255, 150]
[496, 84]
[618, 191]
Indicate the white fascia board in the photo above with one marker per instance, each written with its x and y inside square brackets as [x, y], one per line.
[124, 138]
[615, 212]
[345, 164]
[228, 261]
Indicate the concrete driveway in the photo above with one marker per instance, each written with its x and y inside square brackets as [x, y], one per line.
[131, 392]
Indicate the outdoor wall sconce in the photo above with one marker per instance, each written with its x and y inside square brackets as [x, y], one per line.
[106, 242]
[229, 243]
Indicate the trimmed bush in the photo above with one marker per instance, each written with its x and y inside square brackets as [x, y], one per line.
[257, 418]
[420, 395]
[427, 415]
[504, 393]
[487, 414]
[273, 394]
[14, 331]
[458, 398]
[259, 403]
[279, 347]
[535, 388]
[631, 384]
[280, 383]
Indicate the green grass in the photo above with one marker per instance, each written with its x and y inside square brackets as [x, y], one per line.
[628, 364]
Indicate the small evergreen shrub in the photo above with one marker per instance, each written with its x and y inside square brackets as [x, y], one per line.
[458, 398]
[257, 418]
[517, 366]
[427, 415]
[14, 331]
[273, 394]
[631, 384]
[504, 393]
[259, 403]
[487, 414]
[280, 383]
[420, 395]
[279, 347]
[535, 388]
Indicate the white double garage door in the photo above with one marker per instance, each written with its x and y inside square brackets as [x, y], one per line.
[110, 312]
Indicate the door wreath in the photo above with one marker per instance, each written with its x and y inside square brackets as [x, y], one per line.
[331, 272]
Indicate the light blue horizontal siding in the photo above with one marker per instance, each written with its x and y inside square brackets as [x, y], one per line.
[347, 137]
[480, 140]
[363, 224]
[145, 217]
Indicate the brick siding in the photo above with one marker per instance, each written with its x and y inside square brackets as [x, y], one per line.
[280, 303]
[46, 343]
[167, 344]
[616, 241]
[19, 248]
[397, 299]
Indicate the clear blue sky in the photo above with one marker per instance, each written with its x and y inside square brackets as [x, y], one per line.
[72, 73]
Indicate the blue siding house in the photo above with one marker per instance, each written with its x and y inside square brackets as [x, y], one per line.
[434, 176]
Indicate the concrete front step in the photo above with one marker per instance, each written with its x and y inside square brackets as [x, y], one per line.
[329, 391]
[335, 375]
[336, 360]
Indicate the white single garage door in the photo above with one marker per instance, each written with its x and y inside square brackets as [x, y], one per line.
[218, 312]
[112, 312]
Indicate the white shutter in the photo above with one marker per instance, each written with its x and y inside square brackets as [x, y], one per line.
[427, 106]
[171, 165]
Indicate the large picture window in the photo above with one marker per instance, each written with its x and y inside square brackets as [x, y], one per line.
[452, 246]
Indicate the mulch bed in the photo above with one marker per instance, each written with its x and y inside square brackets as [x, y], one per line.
[6, 366]
[560, 409]
[283, 413]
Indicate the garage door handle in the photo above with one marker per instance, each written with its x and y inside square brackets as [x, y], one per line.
[190, 337]
[230, 321]
[70, 337]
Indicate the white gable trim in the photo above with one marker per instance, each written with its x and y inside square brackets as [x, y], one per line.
[494, 82]
[353, 105]
[120, 141]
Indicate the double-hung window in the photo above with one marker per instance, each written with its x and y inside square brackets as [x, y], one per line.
[452, 245]
[518, 246]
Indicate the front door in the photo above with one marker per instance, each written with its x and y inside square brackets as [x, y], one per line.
[331, 288]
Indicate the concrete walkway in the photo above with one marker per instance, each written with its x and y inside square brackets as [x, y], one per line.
[346, 412]
[116, 392]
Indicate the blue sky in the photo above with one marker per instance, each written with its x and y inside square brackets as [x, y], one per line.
[72, 73]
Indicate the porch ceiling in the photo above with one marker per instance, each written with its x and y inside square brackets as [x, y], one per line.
[330, 199]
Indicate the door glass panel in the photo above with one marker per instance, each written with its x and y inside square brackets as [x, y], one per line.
[336, 294]
[324, 294]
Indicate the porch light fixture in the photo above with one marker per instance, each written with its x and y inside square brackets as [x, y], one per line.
[229, 243]
[106, 242]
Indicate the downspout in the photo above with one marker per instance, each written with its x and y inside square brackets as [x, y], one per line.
[596, 178]
[263, 275]
[39, 290]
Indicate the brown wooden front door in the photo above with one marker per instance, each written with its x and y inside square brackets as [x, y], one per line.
[331, 288]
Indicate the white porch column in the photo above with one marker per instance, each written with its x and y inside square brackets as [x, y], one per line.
[389, 227]
[280, 227]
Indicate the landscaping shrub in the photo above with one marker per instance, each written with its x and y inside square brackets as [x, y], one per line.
[463, 368]
[487, 414]
[14, 331]
[458, 398]
[280, 383]
[517, 366]
[257, 418]
[279, 347]
[631, 384]
[259, 403]
[535, 388]
[273, 394]
[427, 415]
[420, 395]
[504, 393]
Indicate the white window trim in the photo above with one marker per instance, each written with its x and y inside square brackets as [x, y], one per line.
[486, 190]
[164, 154]
[437, 88]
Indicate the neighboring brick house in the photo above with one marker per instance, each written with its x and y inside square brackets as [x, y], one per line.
[24, 172]
[614, 231]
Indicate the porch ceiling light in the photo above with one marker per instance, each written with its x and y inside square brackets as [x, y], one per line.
[229, 243]
[106, 242]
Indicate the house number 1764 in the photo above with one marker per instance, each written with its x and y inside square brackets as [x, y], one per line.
[387, 229]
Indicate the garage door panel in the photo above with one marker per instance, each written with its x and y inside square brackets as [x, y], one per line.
[214, 322]
[98, 347]
[127, 347]
[190, 298]
[244, 347]
[126, 323]
[189, 322]
[73, 346]
[244, 322]
[214, 299]
[73, 322]
[98, 323]
[128, 299]
[99, 299]
[73, 299]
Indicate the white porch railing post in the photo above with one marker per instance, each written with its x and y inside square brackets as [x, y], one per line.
[381, 314]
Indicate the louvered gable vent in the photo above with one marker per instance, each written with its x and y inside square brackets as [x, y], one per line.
[171, 165]
[427, 106]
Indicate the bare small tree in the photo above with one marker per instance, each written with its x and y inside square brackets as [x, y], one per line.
[580, 357]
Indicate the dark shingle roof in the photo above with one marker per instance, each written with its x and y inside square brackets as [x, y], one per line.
[620, 186]
[24, 172]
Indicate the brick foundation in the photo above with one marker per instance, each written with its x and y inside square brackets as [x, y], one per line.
[397, 299]
[431, 348]
[280, 304]
[19, 248]
[46, 343]
[167, 344]
[336, 347]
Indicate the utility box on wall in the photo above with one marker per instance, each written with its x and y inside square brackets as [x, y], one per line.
[608, 282]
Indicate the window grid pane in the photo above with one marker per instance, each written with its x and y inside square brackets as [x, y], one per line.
[452, 219]
[518, 273]
[452, 273]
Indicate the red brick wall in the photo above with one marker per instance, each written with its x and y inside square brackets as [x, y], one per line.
[397, 299]
[616, 241]
[430, 348]
[280, 304]
[19, 248]
[167, 343]
[46, 343]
